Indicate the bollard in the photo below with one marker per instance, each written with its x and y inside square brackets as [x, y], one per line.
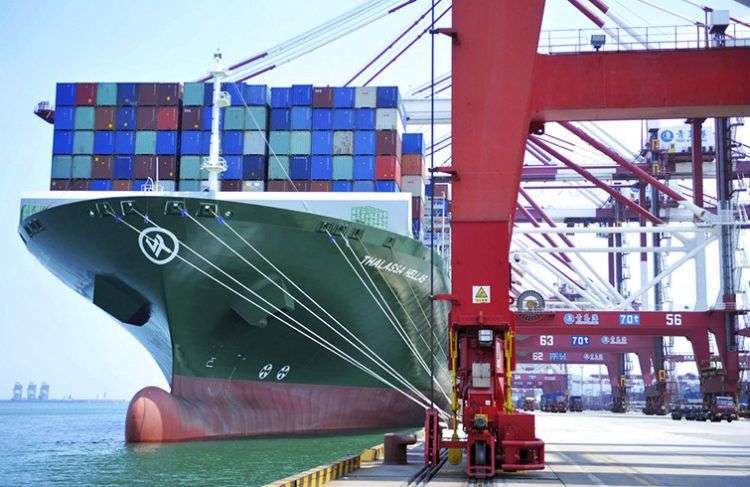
[395, 448]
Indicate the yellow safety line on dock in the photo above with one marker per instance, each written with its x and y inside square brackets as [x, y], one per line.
[323, 474]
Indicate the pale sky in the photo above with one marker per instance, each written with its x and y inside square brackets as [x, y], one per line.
[48, 332]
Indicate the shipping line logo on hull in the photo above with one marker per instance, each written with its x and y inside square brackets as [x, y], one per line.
[159, 245]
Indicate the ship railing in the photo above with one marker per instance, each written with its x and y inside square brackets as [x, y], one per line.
[640, 38]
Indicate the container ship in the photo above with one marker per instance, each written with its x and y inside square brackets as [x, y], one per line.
[261, 244]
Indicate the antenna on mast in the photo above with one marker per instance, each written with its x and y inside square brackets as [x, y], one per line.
[214, 164]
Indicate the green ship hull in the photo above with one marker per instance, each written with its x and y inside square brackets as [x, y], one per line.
[264, 320]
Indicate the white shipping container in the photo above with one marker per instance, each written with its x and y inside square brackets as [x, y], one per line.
[343, 142]
[253, 186]
[365, 97]
[413, 185]
[254, 143]
[388, 119]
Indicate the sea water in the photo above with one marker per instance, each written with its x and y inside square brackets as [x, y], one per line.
[82, 443]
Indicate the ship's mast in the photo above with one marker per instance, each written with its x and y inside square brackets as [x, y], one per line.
[214, 164]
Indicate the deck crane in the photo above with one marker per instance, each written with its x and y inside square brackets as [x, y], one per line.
[503, 90]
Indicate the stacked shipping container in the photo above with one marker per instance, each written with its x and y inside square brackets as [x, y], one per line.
[114, 136]
[334, 139]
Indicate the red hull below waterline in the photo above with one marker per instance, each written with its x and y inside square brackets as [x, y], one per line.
[214, 408]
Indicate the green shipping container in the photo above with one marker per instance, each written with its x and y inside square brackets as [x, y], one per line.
[106, 94]
[299, 143]
[83, 142]
[343, 167]
[190, 168]
[61, 167]
[278, 143]
[189, 185]
[193, 94]
[234, 118]
[145, 142]
[256, 118]
[278, 167]
[84, 118]
[81, 167]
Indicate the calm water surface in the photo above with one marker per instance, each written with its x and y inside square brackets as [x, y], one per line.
[82, 444]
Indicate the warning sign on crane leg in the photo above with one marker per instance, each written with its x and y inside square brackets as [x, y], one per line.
[480, 294]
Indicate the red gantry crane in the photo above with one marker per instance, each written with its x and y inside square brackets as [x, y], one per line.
[503, 91]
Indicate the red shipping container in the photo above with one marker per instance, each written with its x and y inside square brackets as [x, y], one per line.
[86, 94]
[104, 118]
[416, 206]
[166, 118]
[168, 93]
[101, 167]
[387, 142]
[299, 186]
[441, 191]
[278, 185]
[147, 94]
[387, 168]
[167, 167]
[191, 118]
[144, 167]
[320, 186]
[145, 118]
[323, 97]
[59, 185]
[79, 185]
[412, 165]
[231, 185]
[122, 185]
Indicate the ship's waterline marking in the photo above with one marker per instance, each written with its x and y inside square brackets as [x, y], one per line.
[394, 268]
[159, 245]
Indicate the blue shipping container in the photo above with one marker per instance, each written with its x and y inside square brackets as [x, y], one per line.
[364, 119]
[386, 186]
[300, 118]
[206, 119]
[190, 142]
[125, 118]
[322, 119]
[364, 142]
[387, 97]
[62, 142]
[166, 142]
[234, 168]
[235, 93]
[280, 119]
[364, 167]
[416, 224]
[138, 184]
[302, 95]
[231, 142]
[343, 97]
[255, 95]
[124, 143]
[65, 94]
[411, 143]
[104, 142]
[321, 168]
[341, 186]
[206, 142]
[254, 168]
[322, 142]
[64, 118]
[343, 119]
[100, 185]
[299, 167]
[123, 167]
[127, 94]
[281, 97]
[363, 186]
